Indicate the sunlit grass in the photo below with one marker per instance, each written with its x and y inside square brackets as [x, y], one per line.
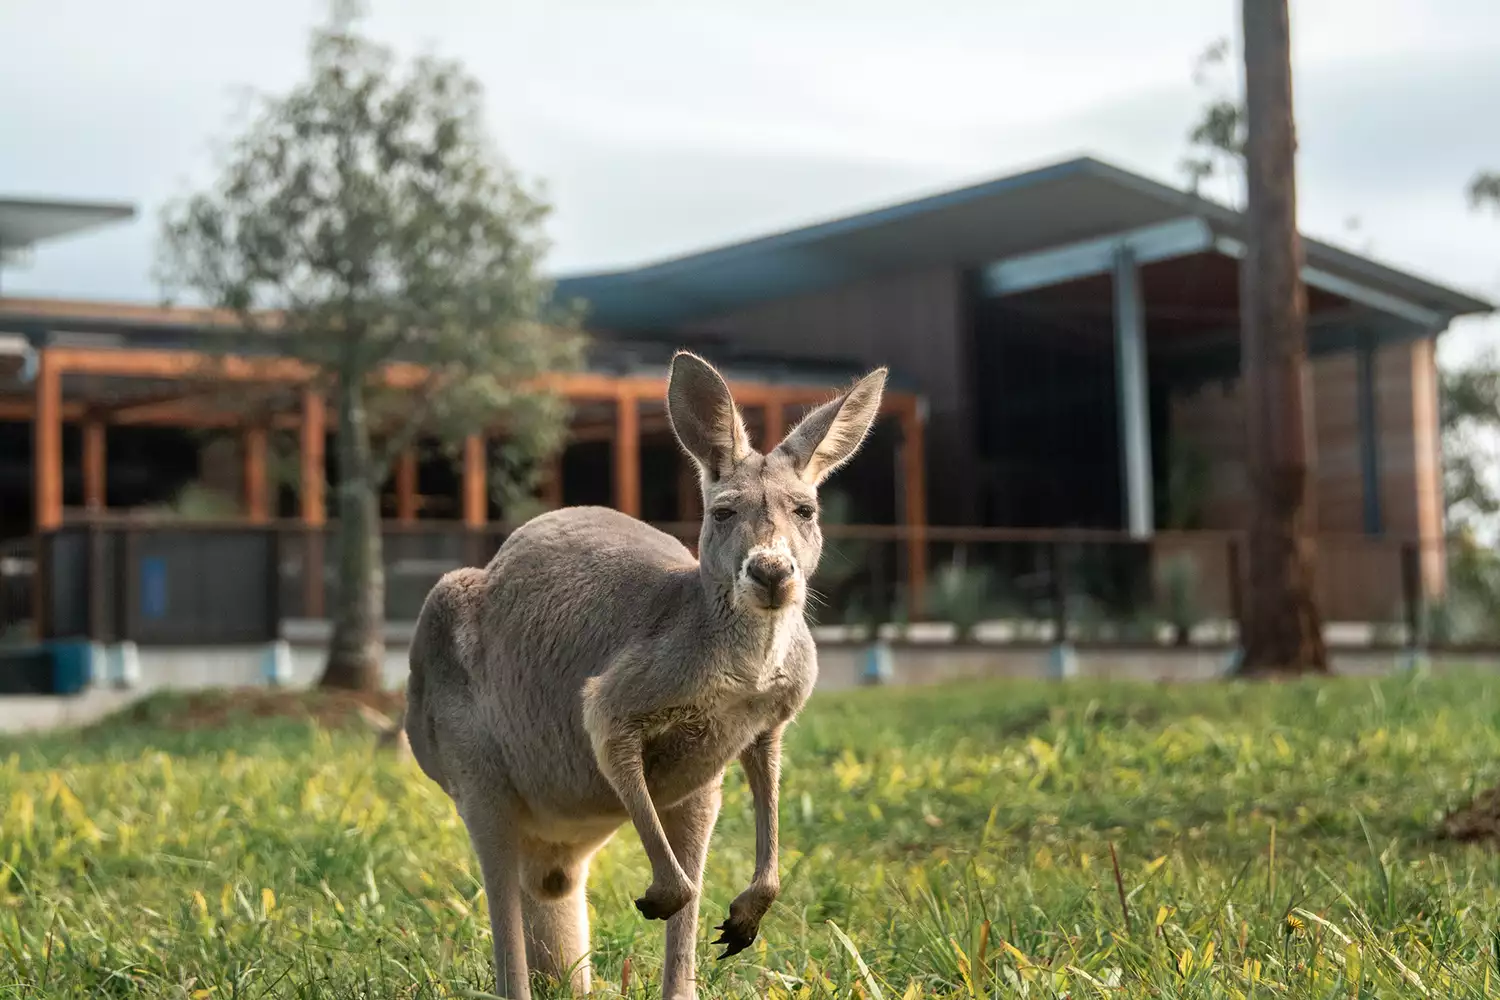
[1011, 839]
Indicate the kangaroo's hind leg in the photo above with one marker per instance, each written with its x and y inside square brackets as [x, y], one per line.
[688, 826]
[555, 911]
[493, 835]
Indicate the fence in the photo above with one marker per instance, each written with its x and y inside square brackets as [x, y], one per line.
[226, 583]
[17, 569]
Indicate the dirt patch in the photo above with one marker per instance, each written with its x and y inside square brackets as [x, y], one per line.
[1477, 822]
[331, 709]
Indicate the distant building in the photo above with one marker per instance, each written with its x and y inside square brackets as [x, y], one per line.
[1066, 339]
[1008, 304]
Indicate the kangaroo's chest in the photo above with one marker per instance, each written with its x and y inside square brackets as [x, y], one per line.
[687, 747]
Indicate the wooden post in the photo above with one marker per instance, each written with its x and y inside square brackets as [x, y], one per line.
[1427, 466]
[689, 490]
[94, 484]
[1236, 589]
[1057, 583]
[47, 459]
[98, 587]
[914, 492]
[775, 421]
[552, 483]
[314, 432]
[475, 482]
[314, 506]
[253, 441]
[1411, 592]
[1283, 626]
[627, 454]
[406, 486]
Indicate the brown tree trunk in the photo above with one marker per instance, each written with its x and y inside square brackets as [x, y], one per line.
[1282, 627]
[356, 651]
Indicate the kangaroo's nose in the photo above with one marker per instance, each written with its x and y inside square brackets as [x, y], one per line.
[770, 572]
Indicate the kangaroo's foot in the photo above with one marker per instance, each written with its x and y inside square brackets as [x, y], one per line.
[662, 900]
[739, 931]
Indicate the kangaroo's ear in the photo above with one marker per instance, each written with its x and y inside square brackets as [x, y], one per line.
[704, 418]
[830, 435]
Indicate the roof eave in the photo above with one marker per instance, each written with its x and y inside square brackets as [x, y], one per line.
[82, 216]
[1228, 221]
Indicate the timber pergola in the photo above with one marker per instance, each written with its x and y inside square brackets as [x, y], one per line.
[191, 407]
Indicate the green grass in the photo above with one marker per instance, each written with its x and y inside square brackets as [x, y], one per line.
[1272, 840]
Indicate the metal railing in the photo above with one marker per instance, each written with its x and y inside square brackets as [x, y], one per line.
[199, 583]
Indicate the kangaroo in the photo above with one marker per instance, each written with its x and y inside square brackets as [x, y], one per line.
[595, 672]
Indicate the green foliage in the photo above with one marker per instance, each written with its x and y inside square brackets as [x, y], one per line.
[1179, 581]
[1272, 841]
[1216, 142]
[1484, 190]
[196, 502]
[1470, 415]
[362, 221]
[363, 218]
[1469, 400]
[844, 586]
[1189, 482]
[962, 595]
[1469, 611]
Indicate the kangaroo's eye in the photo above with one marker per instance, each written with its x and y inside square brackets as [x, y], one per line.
[805, 511]
[722, 514]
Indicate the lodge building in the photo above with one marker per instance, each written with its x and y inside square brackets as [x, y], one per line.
[1065, 368]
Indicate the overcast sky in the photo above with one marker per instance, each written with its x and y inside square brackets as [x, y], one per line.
[662, 126]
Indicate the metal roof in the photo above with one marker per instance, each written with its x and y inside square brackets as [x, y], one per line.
[25, 222]
[1052, 206]
[648, 354]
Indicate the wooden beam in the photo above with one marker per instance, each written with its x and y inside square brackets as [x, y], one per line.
[475, 482]
[76, 309]
[253, 448]
[127, 407]
[914, 495]
[775, 422]
[180, 365]
[583, 432]
[190, 413]
[184, 413]
[313, 465]
[94, 464]
[627, 464]
[406, 486]
[166, 364]
[47, 458]
[23, 410]
[175, 413]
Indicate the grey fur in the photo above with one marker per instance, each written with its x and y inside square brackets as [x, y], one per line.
[596, 672]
